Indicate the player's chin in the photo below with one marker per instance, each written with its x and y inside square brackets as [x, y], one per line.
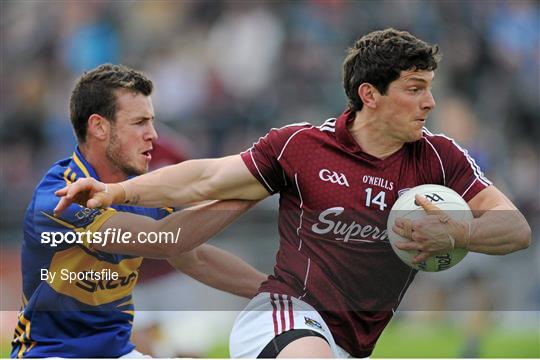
[139, 169]
[415, 136]
[143, 169]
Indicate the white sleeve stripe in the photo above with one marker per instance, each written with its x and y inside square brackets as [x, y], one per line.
[327, 128]
[440, 161]
[259, 171]
[307, 273]
[289, 139]
[329, 122]
[283, 127]
[328, 125]
[470, 186]
[476, 169]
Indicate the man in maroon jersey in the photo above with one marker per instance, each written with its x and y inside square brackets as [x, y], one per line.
[337, 280]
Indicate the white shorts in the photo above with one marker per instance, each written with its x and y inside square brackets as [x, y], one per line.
[134, 354]
[267, 316]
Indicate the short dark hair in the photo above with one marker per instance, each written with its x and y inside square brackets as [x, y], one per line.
[94, 94]
[378, 59]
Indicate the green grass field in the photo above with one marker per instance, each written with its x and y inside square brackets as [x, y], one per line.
[405, 341]
[402, 340]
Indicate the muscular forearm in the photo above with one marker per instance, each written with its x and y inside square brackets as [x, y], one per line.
[191, 182]
[498, 231]
[197, 224]
[173, 185]
[220, 269]
[176, 185]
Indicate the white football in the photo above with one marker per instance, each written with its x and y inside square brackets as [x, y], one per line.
[405, 207]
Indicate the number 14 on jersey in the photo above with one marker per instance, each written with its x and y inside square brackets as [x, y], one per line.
[377, 200]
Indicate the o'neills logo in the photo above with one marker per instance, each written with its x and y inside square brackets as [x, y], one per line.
[346, 231]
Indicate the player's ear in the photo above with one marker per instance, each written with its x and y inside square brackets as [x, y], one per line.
[368, 94]
[98, 127]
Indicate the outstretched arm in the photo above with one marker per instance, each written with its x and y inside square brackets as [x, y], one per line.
[220, 269]
[192, 226]
[185, 183]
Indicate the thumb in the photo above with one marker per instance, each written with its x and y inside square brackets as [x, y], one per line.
[99, 200]
[61, 192]
[428, 207]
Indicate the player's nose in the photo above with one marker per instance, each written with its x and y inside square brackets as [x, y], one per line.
[151, 133]
[428, 101]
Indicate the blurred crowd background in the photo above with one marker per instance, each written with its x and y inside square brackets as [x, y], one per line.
[225, 72]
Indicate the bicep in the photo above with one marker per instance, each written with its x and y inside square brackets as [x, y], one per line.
[488, 199]
[231, 179]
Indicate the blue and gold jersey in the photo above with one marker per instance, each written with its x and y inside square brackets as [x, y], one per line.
[80, 318]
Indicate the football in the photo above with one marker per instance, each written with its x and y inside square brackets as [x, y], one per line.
[405, 207]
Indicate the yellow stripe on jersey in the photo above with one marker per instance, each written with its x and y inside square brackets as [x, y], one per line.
[92, 291]
[129, 302]
[27, 331]
[66, 176]
[18, 330]
[21, 351]
[34, 343]
[72, 177]
[100, 219]
[24, 336]
[81, 165]
[23, 320]
[129, 312]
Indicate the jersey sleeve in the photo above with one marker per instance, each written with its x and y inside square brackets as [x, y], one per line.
[460, 171]
[264, 158]
[75, 218]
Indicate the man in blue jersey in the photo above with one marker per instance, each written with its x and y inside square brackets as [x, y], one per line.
[79, 268]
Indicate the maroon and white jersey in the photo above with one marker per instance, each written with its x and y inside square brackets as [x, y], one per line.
[334, 203]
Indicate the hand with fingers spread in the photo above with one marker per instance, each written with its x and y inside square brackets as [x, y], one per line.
[433, 234]
[87, 192]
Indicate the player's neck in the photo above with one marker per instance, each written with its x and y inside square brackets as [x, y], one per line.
[372, 137]
[105, 171]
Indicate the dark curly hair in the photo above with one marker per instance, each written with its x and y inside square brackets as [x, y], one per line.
[94, 94]
[378, 58]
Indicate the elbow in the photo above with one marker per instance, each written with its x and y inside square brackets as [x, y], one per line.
[209, 190]
[177, 249]
[522, 239]
[168, 250]
[190, 264]
[526, 237]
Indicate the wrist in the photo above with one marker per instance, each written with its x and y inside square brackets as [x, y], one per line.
[117, 193]
[460, 231]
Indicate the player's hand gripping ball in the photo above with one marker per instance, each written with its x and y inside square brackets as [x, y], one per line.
[454, 209]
